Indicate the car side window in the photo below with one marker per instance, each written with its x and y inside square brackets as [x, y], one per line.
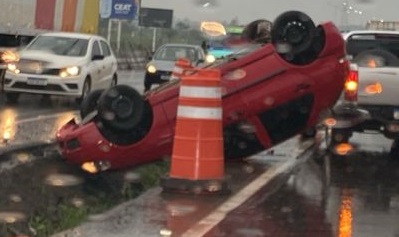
[96, 49]
[105, 48]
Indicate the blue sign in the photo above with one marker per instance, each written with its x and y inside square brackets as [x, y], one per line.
[124, 9]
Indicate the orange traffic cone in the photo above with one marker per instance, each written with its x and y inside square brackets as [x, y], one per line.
[197, 162]
[181, 66]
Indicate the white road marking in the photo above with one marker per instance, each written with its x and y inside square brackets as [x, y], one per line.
[206, 224]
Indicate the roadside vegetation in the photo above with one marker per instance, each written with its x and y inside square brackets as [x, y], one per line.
[48, 209]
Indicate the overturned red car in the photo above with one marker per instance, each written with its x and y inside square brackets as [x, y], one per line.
[282, 89]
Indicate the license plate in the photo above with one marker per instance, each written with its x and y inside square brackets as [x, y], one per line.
[165, 77]
[36, 81]
[396, 113]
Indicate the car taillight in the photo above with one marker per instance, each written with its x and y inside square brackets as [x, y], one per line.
[351, 84]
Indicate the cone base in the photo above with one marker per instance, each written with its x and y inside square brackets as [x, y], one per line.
[199, 187]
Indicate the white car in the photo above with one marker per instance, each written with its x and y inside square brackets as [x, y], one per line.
[370, 99]
[62, 64]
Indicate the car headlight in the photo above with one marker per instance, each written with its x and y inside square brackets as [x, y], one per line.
[69, 71]
[151, 69]
[13, 68]
[9, 56]
[210, 58]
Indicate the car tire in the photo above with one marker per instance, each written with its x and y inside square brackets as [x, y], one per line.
[147, 85]
[85, 90]
[309, 133]
[121, 107]
[337, 136]
[12, 97]
[254, 32]
[394, 151]
[293, 34]
[90, 103]
[114, 80]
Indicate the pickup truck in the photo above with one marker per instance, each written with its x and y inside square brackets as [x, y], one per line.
[370, 99]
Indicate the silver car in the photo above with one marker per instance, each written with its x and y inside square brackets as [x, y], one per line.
[160, 67]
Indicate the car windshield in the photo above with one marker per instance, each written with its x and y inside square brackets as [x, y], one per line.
[64, 46]
[172, 53]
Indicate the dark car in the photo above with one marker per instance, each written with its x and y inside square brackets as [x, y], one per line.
[272, 92]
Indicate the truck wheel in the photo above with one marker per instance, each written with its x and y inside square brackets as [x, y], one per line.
[90, 103]
[121, 107]
[337, 136]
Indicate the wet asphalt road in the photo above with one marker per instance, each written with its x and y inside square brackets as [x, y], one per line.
[357, 195]
[352, 196]
[17, 120]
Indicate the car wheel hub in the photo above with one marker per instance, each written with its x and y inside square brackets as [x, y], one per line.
[294, 34]
[122, 106]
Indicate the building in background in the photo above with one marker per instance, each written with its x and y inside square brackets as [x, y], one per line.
[54, 15]
[382, 25]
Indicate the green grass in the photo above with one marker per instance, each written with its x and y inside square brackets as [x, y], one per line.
[46, 223]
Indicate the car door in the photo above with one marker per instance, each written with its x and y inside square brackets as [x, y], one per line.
[96, 67]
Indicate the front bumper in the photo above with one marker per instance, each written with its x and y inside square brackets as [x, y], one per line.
[158, 77]
[43, 84]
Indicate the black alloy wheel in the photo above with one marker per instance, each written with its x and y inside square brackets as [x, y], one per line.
[294, 31]
[121, 107]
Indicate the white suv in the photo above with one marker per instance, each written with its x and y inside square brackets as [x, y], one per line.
[62, 63]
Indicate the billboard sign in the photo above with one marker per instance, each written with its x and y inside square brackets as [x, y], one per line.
[124, 9]
[154, 17]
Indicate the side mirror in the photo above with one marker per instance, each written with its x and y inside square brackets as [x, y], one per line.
[97, 57]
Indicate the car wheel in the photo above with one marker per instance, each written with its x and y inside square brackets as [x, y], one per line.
[293, 36]
[12, 97]
[394, 151]
[85, 90]
[309, 133]
[121, 107]
[114, 81]
[90, 103]
[258, 31]
[337, 136]
[147, 85]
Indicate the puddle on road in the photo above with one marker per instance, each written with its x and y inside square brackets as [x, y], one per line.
[63, 180]
[11, 217]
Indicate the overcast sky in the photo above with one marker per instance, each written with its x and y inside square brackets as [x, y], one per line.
[248, 10]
